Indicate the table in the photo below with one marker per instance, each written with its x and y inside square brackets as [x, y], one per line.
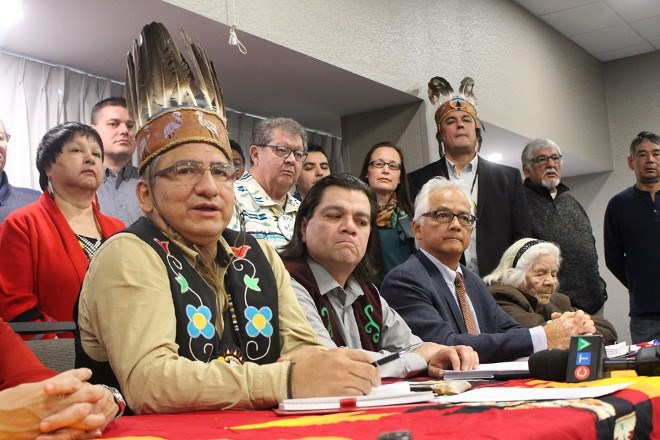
[633, 412]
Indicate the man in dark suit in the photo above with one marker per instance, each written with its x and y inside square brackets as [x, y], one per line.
[496, 189]
[445, 302]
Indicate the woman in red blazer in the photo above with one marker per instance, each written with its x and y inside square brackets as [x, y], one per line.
[45, 247]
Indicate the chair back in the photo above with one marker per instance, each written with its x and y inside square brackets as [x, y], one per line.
[57, 354]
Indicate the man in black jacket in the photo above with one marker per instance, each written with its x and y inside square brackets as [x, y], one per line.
[496, 189]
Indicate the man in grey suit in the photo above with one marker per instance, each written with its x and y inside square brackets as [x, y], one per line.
[445, 302]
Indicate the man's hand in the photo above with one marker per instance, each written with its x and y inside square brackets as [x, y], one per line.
[336, 372]
[61, 407]
[441, 358]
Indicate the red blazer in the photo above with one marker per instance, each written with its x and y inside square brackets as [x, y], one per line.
[42, 264]
[18, 364]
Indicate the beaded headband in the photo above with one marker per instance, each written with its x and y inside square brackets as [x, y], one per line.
[441, 91]
[523, 249]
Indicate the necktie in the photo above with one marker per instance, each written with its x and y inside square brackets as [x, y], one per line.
[461, 294]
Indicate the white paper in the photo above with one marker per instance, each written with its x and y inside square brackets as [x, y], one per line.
[508, 394]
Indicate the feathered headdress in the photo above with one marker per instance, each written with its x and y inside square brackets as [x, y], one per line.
[441, 91]
[172, 101]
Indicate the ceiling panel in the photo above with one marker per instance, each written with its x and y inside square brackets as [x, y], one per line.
[632, 10]
[649, 28]
[612, 29]
[542, 7]
[583, 19]
[603, 40]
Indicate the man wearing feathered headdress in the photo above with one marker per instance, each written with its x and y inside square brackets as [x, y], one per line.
[180, 312]
[496, 189]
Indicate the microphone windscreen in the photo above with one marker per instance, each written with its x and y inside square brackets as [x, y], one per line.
[549, 365]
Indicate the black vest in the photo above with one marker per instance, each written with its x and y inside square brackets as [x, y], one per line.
[367, 308]
[251, 325]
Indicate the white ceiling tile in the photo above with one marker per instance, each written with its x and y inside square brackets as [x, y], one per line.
[541, 7]
[649, 28]
[632, 10]
[656, 44]
[583, 19]
[613, 38]
[625, 52]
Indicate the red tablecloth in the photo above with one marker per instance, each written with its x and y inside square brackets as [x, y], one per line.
[630, 413]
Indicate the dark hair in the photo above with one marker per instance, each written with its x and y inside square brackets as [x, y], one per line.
[366, 269]
[402, 190]
[53, 141]
[641, 137]
[237, 147]
[313, 148]
[114, 101]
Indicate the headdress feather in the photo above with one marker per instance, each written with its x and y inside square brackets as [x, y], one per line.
[440, 91]
[171, 102]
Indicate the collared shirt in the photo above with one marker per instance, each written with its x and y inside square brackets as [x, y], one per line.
[469, 180]
[126, 316]
[539, 340]
[395, 334]
[259, 215]
[117, 194]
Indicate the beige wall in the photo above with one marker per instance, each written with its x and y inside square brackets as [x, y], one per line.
[529, 80]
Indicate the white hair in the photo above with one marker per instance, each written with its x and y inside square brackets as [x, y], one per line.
[528, 152]
[422, 204]
[506, 273]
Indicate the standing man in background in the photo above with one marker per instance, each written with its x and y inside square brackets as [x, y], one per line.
[496, 189]
[116, 194]
[237, 158]
[264, 208]
[632, 237]
[557, 217]
[11, 197]
[314, 168]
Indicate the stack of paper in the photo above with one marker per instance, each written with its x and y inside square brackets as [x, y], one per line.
[398, 393]
[490, 371]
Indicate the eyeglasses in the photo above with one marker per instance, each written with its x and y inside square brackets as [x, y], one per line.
[284, 152]
[543, 160]
[4, 136]
[380, 164]
[443, 216]
[191, 171]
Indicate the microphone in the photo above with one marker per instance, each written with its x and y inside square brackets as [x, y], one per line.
[553, 365]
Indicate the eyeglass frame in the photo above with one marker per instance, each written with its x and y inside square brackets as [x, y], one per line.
[389, 165]
[434, 216]
[543, 159]
[6, 135]
[296, 153]
[229, 167]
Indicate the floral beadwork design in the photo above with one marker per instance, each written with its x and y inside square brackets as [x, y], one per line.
[200, 321]
[259, 321]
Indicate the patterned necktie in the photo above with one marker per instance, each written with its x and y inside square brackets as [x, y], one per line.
[461, 294]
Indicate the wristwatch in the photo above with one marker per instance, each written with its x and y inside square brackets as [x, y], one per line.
[119, 400]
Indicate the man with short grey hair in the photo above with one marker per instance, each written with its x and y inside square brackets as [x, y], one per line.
[11, 197]
[264, 208]
[443, 301]
[556, 216]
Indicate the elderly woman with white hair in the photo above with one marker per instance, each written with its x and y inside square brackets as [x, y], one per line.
[525, 285]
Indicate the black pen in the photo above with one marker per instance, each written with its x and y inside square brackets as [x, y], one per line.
[394, 356]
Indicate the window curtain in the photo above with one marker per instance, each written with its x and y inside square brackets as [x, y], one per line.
[35, 96]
